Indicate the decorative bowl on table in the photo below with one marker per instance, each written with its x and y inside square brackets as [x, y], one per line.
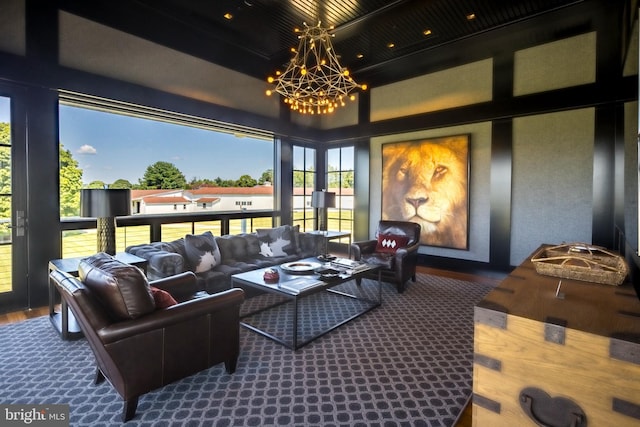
[271, 275]
[300, 267]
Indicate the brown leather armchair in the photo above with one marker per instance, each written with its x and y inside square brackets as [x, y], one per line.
[395, 249]
[140, 346]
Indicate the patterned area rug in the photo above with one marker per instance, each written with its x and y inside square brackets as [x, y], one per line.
[408, 362]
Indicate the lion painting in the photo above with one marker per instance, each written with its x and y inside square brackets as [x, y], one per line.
[427, 182]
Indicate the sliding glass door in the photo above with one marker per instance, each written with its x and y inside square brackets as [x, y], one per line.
[13, 230]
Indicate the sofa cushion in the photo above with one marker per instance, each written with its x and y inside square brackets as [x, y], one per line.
[202, 251]
[277, 242]
[390, 243]
[121, 288]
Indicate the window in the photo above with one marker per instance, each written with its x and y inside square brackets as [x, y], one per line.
[107, 143]
[340, 165]
[304, 178]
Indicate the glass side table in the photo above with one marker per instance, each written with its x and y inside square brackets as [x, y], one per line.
[330, 235]
[63, 321]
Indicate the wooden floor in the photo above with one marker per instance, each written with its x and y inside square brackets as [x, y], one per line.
[465, 418]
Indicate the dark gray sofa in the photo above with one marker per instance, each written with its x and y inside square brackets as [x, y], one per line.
[238, 253]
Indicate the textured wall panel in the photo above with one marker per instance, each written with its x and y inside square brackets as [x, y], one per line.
[564, 63]
[98, 49]
[12, 27]
[455, 87]
[631, 173]
[552, 188]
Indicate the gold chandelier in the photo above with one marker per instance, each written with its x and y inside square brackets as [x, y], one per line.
[314, 81]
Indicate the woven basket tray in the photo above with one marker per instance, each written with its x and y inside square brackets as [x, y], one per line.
[581, 261]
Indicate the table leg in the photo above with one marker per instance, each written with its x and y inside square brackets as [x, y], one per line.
[295, 324]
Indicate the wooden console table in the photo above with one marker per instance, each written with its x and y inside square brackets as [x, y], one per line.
[63, 321]
[578, 351]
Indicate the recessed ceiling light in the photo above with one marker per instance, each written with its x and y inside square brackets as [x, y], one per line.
[471, 16]
[391, 45]
[228, 16]
[359, 56]
[427, 32]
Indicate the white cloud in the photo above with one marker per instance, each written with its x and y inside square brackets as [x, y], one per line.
[87, 149]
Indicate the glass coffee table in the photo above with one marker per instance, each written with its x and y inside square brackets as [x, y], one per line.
[303, 304]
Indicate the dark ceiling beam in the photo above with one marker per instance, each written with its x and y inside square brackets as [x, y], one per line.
[538, 30]
[202, 38]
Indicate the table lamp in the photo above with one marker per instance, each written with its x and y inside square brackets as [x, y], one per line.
[322, 200]
[104, 205]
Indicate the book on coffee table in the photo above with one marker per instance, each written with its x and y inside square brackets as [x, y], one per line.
[350, 264]
[301, 284]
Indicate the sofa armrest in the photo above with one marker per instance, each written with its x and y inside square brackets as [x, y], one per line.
[181, 286]
[363, 247]
[160, 263]
[229, 299]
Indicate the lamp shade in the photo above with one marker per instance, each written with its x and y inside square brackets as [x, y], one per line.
[323, 199]
[105, 203]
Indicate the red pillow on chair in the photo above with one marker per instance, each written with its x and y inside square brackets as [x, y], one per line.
[390, 243]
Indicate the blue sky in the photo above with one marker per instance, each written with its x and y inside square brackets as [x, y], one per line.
[110, 146]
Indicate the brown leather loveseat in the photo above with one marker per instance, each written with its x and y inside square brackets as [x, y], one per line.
[141, 335]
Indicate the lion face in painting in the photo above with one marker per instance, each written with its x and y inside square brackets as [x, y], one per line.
[426, 183]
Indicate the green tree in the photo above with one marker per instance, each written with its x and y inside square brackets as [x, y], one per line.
[224, 182]
[5, 176]
[246, 181]
[70, 184]
[197, 183]
[96, 184]
[163, 175]
[121, 184]
[267, 176]
[298, 179]
[347, 179]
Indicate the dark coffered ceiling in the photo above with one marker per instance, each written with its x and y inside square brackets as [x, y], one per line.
[378, 40]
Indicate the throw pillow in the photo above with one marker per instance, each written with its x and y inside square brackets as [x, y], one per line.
[390, 243]
[162, 298]
[278, 241]
[202, 251]
[121, 288]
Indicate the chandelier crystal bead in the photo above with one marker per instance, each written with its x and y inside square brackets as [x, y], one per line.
[314, 81]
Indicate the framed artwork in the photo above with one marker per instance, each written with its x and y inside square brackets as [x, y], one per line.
[427, 181]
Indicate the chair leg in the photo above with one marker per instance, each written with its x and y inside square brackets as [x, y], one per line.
[230, 365]
[400, 287]
[129, 411]
[359, 281]
[99, 377]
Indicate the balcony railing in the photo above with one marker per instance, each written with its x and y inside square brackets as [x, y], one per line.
[79, 234]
